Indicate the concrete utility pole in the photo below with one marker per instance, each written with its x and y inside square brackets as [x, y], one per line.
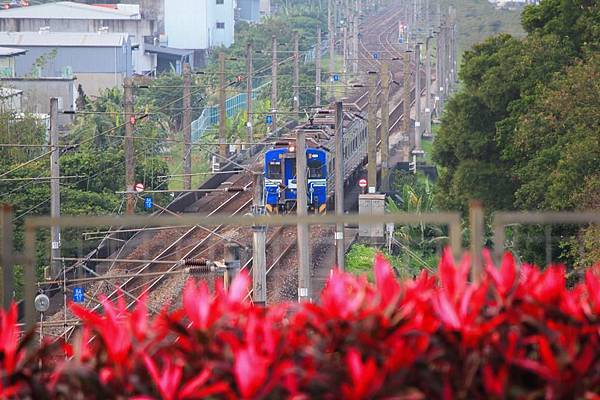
[372, 134]
[231, 256]
[428, 85]
[301, 210]
[55, 264]
[6, 251]
[318, 69]
[187, 128]
[274, 66]
[223, 150]
[296, 88]
[339, 184]
[259, 257]
[418, 97]
[406, 100]
[438, 72]
[249, 90]
[385, 126]
[129, 150]
[331, 38]
[355, 53]
[344, 59]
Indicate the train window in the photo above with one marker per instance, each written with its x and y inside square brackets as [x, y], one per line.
[315, 169]
[274, 170]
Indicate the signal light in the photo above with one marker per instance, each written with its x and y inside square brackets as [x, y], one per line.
[132, 120]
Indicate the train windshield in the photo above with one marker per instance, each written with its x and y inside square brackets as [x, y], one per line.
[274, 170]
[315, 169]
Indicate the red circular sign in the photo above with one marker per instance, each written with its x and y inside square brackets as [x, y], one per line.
[139, 187]
[362, 183]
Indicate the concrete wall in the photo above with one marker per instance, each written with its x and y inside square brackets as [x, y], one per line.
[142, 63]
[37, 93]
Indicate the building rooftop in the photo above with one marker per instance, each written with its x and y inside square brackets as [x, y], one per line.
[149, 48]
[9, 51]
[72, 10]
[62, 39]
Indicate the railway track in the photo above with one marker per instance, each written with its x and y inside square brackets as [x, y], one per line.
[167, 247]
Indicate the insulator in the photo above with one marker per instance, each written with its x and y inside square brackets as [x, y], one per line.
[205, 269]
[195, 262]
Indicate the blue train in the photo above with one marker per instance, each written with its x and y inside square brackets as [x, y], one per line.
[280, 179]
[280, 162]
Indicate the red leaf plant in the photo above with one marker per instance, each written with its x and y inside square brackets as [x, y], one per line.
[518, 333]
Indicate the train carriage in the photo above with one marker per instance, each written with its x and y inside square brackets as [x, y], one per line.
[280, 162]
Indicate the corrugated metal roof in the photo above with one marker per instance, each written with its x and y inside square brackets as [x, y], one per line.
[70, 10]
[167, 50]
[62, 39]
[8, 51]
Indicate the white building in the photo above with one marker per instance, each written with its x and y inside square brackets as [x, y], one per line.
[199, 24]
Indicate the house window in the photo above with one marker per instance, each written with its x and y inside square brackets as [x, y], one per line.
[220, 2]
[220, 25]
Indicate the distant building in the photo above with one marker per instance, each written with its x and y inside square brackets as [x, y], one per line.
[265, 8]
[7, 61]
[35, 94]
[98, 60]
[199, 25]
[67, 16]
[249, 10]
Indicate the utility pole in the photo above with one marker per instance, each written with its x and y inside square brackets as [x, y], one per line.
[223, 150]
[318, 69]
[6, 259]
[355, 33]
[129, 150]
[344, 59]
[406, 100]
[187, 128]
[428, 84]
[339, 184]
[55, 264]
[301, 210]
[259, 257]
[385, 126]
[274, 84]
[418, 96]
[296, 88]
[372, 134]
[331, 38]
[249, 90]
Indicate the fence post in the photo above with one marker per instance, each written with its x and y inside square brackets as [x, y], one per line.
[476, 221]
[6, 256]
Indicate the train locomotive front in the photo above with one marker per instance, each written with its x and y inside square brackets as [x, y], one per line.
[281, 183]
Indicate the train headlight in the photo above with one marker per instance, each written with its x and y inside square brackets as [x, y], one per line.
[291, 149]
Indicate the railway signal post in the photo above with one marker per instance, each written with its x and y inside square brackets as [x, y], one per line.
[339, 184]
[302, 212]
[372, 133]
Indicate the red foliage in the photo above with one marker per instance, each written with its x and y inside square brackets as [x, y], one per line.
[516, 334]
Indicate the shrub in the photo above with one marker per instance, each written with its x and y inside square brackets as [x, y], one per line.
[519, 333]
